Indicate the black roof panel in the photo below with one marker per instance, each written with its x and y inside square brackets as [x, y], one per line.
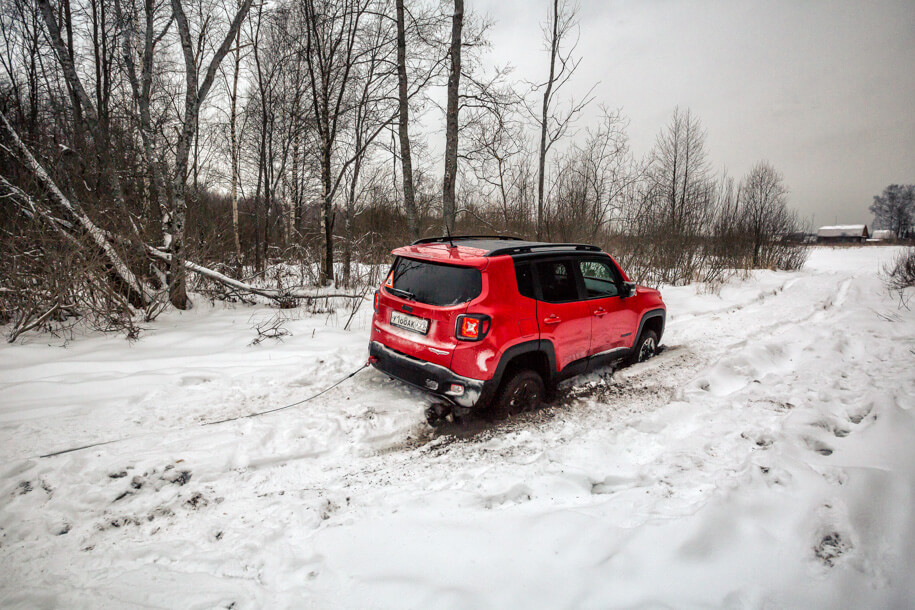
[495, 245]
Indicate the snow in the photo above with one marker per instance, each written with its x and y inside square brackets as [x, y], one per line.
[483, 359]
[765, 458]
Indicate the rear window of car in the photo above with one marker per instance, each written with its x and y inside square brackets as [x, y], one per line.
[525, 280]
[435, 283]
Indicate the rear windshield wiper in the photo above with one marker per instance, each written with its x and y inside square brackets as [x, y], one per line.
[404, 294]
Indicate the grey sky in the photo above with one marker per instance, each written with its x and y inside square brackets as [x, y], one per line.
[823, 90]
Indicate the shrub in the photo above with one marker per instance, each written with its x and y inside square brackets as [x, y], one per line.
[900, 274]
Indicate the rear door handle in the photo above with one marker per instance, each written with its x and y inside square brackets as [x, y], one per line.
[599, 312]
[553, 319]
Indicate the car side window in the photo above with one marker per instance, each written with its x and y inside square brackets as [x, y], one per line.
[557, 283]
[600, 279]
[525, 278]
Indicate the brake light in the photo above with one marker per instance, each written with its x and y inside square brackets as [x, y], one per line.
[375, 302]
[472, 327]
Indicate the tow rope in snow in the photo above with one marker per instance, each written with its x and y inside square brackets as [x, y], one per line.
[213, 423]
[295, 404]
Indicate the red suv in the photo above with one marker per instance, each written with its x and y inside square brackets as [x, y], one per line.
[493, 321]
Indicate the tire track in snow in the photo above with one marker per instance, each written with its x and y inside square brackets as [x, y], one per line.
[612, 398]
[616, 399]
[618, 395]
[341, 462]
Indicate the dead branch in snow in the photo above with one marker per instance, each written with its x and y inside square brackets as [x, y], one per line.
[27, 323]
[279, 295]
[272, 328]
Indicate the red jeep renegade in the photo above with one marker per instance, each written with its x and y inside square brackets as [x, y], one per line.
[494, 321]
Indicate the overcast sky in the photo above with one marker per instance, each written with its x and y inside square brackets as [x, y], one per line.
[824, 90]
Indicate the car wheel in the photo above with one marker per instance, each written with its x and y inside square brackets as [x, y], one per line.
[523, 391]
[646, 347]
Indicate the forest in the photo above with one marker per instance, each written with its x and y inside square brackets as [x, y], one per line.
[153, 149]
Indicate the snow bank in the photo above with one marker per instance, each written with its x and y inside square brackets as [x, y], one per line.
[765, 458]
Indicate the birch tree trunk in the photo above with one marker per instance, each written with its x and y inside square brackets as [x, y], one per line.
[327, 213]
[451, 119]
[141, 87]
[194, 95]
[233, 116]
[409, 196]
[293, 193]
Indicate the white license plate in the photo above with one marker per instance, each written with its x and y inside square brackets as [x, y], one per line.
[403, 320]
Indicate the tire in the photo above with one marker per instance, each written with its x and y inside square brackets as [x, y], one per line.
[523, 391]
[646, 347]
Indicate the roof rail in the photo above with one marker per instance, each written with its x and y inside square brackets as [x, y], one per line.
[445, 238]
[531, 247]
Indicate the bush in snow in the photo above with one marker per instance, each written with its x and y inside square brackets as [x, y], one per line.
[900, 274]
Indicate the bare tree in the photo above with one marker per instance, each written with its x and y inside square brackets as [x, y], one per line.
[403, 124]
[451, 118]
[330, 47]
[676, 204]
[561, 25]
[22, 60]
[194, 94]
[500, 163]
[141, 88]
[275, 108]
[765, 214]
[681, 173]
[422, 56]
[591, 181]
[336, 58]
[895, 209]
[92, 120]
[372, 111]
[234, 152]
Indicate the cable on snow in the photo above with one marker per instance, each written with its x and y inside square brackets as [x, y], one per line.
[213, 423]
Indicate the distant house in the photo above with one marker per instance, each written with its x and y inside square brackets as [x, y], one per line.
[884, 235]
[838, 234]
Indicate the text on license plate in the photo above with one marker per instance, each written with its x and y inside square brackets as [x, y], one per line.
[417, 325]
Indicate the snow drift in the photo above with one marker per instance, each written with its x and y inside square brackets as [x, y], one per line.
[766, 457]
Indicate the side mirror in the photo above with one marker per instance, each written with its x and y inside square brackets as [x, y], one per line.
[627, 289]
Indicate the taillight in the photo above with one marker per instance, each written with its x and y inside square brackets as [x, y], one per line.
[375, 302]
[472, 326]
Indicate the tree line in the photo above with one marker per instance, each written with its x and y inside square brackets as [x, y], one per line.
[894, 210]
[145, 139]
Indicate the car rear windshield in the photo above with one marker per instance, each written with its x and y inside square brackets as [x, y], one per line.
[435, 283]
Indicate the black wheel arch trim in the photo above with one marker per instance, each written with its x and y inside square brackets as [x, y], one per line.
[519, 349]
[649, 315]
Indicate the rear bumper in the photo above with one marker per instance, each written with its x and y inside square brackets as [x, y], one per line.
[429, 377]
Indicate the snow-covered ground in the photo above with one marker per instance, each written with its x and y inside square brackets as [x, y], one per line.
[765, 459]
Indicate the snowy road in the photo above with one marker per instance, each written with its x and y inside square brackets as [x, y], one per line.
[766, 457]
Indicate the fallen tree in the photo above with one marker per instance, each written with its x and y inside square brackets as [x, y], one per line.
[277, 294]
[138, 294]
[54, 213]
